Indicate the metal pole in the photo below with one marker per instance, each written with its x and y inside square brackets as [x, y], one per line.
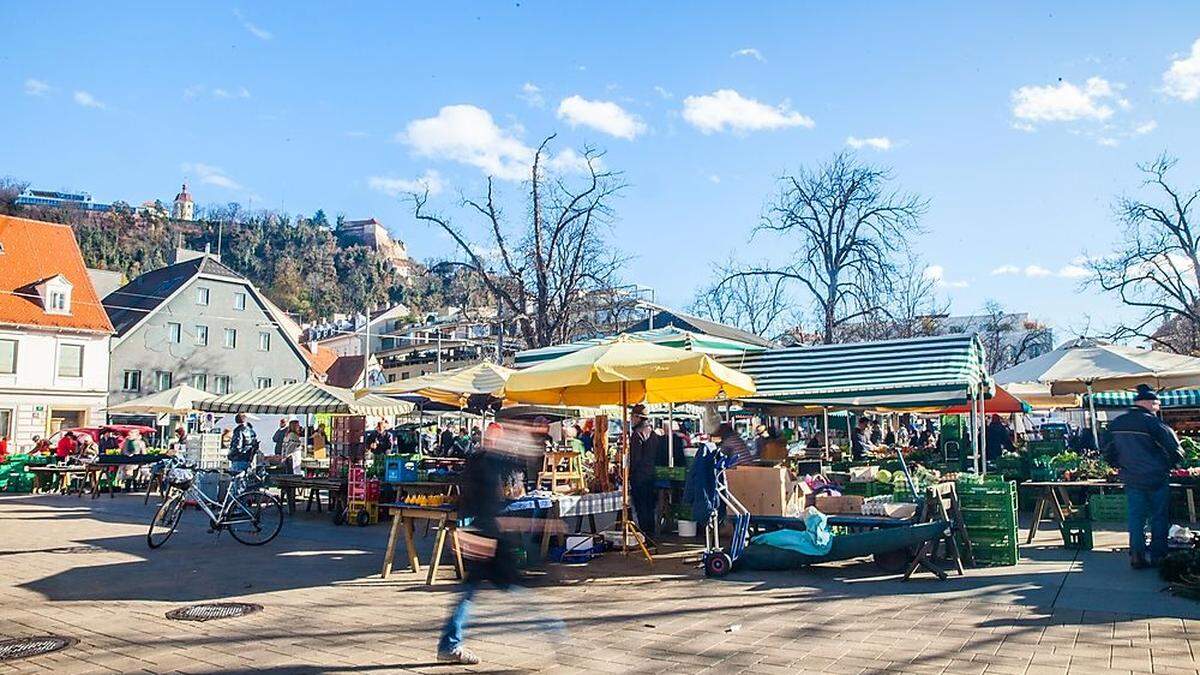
[671, 434]
[1095, 422]
[982, 433]
[366, 347]
[825, 423]
[439, 350]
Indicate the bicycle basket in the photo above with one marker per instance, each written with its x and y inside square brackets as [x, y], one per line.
[180, 478]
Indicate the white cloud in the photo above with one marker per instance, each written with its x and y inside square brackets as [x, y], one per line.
[1108, 142]
[714, 178]
[1074, 272]
[604, 116]
[1006, 270]
[1024, 126]
[256, 31]
[1143, 129]
[430, 181]
[749, 52]
[1066, 102]
[355, 134]
[532, 94]
[1037, 271]
[468, 134]
[197, 90]
[221, 93]
[86, 100]
[937, 274]
[572, 162]
[1182, 80]
[727, 110]
[877, 143]
[36, 87]
[661, 91]
[210, 175]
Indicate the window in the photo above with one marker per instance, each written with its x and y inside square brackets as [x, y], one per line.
[58, 302]
[263, 382]
[405, 376]
[8, 357]
[6, 415]
[264, 342]
[174, 333]
[239, 301]
[201, 295]
[220, 384]
[163, 380]
[289, 381]
[131, 380]
[201, 336]
[200, 381]
[70, 360]
[231, 338]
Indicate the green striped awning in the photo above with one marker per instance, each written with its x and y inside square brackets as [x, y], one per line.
[1177, 398]
[900, 374]
[305, 398]
[669, 336]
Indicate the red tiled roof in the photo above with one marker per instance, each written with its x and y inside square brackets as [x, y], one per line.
[321, 359]
[33, 252]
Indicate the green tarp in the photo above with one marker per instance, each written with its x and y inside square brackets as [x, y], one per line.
[1178, 398]
[670, 336]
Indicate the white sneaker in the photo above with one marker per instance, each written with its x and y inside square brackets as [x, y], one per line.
[458, 655]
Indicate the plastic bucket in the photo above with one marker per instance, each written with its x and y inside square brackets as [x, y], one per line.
[687, 528]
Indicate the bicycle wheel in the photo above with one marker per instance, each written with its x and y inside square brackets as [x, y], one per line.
[254, 518]
[166, 518]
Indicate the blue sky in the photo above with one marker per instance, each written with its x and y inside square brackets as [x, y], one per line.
[1020, 122]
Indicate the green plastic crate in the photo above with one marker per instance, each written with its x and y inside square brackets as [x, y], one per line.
[994, 546]
[989, 518]
[990, 495]
[676, 473]
[1108, 508]
[869, 489]
[1046, 447]
[1077, 533]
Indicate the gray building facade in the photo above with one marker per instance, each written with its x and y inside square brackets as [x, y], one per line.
[198, 322]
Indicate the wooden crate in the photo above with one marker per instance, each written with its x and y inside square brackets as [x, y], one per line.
[765, 490]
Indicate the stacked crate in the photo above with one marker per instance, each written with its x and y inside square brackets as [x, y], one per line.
[989, 510]
[15, 475]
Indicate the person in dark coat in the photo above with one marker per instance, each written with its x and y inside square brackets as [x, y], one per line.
[643, 451]
[999, 438]
[1145, 450]
[860, 442]
[488, 545]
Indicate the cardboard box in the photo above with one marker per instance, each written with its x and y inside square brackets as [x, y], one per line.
[839, 504]
[765, 490]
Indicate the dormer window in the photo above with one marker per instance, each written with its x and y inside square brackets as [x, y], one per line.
[56, 295]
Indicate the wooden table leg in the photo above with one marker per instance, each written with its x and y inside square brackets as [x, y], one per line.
[438, 544]
[1059, 513]
[291, 500]
[413, 561]
[390, 551]
[547, 530]
[1038, 509]
[459, 570]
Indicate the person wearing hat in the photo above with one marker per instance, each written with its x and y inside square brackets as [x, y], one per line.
[643, 449]
[1145, 450]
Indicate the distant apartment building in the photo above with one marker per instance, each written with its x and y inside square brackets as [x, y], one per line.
[54, 334]
[55, 199]
[345, 335]
[1009, 338]
[201, 323]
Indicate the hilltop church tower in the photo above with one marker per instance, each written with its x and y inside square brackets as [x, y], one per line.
[184, 208]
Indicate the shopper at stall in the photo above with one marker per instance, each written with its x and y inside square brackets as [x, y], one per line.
[279, 435]
[488, 545]
[999, 438]
[178, 445]
[243, 445]
[41, 446]
[319, 440]
[67, 445]
[860, 441]
[587, 435]
[1145, 450]
[446, 442]
[733, 445]
[643, 450]
[292, 451]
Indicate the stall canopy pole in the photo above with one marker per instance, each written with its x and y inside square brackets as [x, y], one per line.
[982, 435]
[1092, 410]
[671, 434]
[825, 419]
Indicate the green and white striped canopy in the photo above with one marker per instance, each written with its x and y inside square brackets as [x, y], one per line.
[933, 372]
[305, 398]
[1177, 398]
[669, 336]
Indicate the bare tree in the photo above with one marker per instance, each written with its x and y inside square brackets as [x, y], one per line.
[1007, 340]
[848, 229]
[752, 302]
[908, 306]
[1156, 267]
[543, 270]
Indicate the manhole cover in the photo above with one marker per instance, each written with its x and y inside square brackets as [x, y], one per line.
[212, 610]
[23, 648]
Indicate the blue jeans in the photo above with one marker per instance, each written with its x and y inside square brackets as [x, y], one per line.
[452, 632]
[1153, 504]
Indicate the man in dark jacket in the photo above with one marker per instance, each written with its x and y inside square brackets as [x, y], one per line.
[243, 445]
[999, 438]
[643, 449]
[860, 442]
[1144, 449]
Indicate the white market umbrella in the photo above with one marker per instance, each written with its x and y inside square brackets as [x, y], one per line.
[453, 387]
[178, 400]
[305, 398]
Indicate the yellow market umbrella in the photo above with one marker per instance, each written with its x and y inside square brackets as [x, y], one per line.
[453, 387]
[623, 371]
[627, 370]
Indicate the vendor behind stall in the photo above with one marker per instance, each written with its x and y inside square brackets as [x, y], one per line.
[643, 450]
[860, 443]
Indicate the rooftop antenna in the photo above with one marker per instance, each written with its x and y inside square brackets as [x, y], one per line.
[220, 226]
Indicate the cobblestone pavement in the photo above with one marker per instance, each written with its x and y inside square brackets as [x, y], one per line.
[81, 568]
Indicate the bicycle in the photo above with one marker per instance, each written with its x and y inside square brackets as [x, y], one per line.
[252, 516]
